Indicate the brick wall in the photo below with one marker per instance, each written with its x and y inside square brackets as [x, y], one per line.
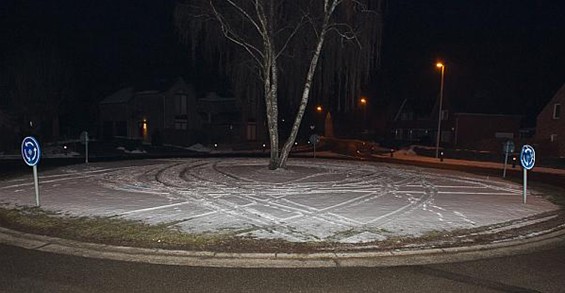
[548, 125]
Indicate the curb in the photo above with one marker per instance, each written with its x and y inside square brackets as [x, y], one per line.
[399, 257]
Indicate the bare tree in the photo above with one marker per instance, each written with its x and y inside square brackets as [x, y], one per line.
[270, 37]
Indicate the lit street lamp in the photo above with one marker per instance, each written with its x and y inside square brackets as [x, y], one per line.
[439, 65]
[363, 102]
[318, 119]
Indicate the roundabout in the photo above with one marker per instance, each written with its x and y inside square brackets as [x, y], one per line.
[332, 201]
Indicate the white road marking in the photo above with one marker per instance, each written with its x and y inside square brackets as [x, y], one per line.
[156, 208]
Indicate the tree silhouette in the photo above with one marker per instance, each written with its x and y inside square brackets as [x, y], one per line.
[274, 48]
[40, 80]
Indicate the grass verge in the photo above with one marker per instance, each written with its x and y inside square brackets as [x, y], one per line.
[121, 232]
[115, 231]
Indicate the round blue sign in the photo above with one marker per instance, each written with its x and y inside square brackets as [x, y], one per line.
[31, 152]
[314, 139]
[528, 157]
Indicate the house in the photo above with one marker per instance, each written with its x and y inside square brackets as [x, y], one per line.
[484, 131]
[416, 123]
[167, 113]
[477, 131]
[220, 116]
[550, 127]
[9, 131]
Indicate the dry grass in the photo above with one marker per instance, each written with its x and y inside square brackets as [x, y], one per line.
[116, 231]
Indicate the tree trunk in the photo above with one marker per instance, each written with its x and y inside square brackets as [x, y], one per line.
[271, 87]
[305, 96]
[272, 116]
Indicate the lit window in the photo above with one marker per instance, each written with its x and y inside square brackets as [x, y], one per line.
[556, 111]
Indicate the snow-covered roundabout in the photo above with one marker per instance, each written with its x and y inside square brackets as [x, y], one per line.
[312, 200]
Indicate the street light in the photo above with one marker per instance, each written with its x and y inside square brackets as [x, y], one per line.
[318, 119]
[363, 102]
[440, 65]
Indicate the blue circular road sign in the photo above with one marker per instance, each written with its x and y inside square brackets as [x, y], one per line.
[314, 139]
[508, 147]
[31, 152]
[528, 157]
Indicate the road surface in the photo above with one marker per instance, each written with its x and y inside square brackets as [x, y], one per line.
[33, 271]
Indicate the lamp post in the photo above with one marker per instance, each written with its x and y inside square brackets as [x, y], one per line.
[318, 119]
[363, 102]
[439, 65]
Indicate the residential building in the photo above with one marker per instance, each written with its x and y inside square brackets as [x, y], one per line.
[477, 131]
[550, 128]
[169, 113]
[484, 131]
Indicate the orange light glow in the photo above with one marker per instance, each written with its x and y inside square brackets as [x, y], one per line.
[319, 108]
[144, 132]
[439, 65]
[363, 101]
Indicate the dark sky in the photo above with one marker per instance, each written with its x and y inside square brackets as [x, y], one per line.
[501, 56]
[112, 43]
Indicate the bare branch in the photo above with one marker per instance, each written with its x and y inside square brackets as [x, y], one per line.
[296, 29]
[245, 14]
[349, 34]
[264, 30]
[232, 36]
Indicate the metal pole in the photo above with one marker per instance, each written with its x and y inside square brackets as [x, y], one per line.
[314, 150]
[36, 184]
[86, 151]
[439, 114]
[525, 184]
[505, 163]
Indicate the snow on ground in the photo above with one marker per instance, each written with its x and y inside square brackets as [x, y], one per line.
[313, 200]
[199, 148]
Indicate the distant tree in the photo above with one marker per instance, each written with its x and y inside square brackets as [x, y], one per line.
[274, 48]
[39, 81]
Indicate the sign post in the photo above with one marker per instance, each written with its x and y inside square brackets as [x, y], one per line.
[84, 140]
[507, 149]
[528, 160]
[314, 139]
[31, 153]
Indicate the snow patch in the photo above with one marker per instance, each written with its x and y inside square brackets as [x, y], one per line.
[199, 148]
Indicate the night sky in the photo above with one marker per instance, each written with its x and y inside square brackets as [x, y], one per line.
[501, 56]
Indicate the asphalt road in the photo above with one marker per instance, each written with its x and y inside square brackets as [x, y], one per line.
[24, 270]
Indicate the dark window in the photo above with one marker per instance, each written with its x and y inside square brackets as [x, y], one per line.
[180, 105]
[556, 111]
[121, 128]
[251, 131]
[108, 129]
